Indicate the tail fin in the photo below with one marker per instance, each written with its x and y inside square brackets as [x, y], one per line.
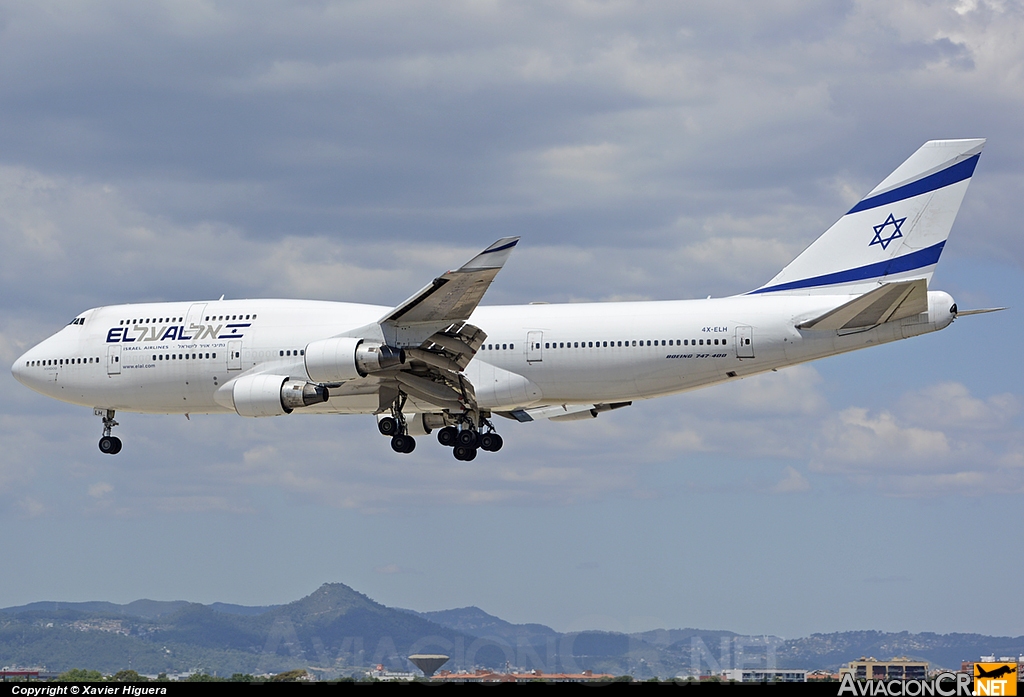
[896, 233]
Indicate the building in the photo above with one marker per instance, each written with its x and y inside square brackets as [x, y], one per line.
[482, 676]
[968, 666]
[896, 669]
[764, 675]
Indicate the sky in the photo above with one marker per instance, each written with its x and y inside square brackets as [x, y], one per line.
[181, 150]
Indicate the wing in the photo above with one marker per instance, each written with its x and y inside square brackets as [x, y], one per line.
[431, 328]
[449, 299]
[562, 412]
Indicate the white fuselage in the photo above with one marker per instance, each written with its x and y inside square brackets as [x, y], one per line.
[178, 357]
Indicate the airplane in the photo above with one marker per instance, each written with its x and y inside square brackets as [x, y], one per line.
[441, 361]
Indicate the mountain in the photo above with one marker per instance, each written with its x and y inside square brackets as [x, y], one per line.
[473, 620]
[337, 631]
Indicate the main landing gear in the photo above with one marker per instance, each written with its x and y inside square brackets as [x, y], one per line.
[471, 433]
[111, 445]
[465, 441]
[396, 427]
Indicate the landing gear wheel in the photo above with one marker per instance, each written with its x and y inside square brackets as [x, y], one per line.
[468, 438]
[403, 444]
[464, 453]
[447, 436]
[491, 442]
[111, 445]
[388, 426]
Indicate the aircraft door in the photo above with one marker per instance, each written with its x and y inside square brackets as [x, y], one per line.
[234, 355]
[534, 347]
[744, 342]
[194, 319]
[113, 360]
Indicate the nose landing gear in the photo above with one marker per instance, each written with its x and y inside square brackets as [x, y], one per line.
[110, 445]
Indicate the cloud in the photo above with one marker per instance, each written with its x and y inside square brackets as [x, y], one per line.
[793, 482]
[964, 445]
[100, 489]
[351, 151]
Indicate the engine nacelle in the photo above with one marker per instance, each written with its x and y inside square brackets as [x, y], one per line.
[423, 424]
[344, 358]
[273, 395]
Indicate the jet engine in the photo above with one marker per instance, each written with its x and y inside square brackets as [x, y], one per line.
[273, 395]
[344, 358]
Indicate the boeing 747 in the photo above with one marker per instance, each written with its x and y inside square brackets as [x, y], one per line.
[441, 361]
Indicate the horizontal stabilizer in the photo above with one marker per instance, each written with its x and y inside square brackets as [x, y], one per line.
[965, 313]
[887, 303]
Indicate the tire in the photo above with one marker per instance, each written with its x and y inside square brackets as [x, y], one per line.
[461, 452]
[400, 444]
[489, 442]
[388, 426]
[410, 444]
[468, 438]
[117, 446]
[447, 436]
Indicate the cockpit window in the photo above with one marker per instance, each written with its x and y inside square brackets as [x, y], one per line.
[77, 320]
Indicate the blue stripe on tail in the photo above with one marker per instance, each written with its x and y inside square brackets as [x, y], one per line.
[907, 262]
[950, 175]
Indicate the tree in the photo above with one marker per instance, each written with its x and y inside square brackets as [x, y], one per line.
[128, 676]
[80, 675]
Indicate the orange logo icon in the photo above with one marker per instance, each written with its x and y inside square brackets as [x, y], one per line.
[995, 679]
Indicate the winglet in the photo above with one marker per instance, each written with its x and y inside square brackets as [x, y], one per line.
[494, 257]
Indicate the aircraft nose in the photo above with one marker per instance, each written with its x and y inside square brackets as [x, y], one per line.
[22, 370]
[19, 368]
